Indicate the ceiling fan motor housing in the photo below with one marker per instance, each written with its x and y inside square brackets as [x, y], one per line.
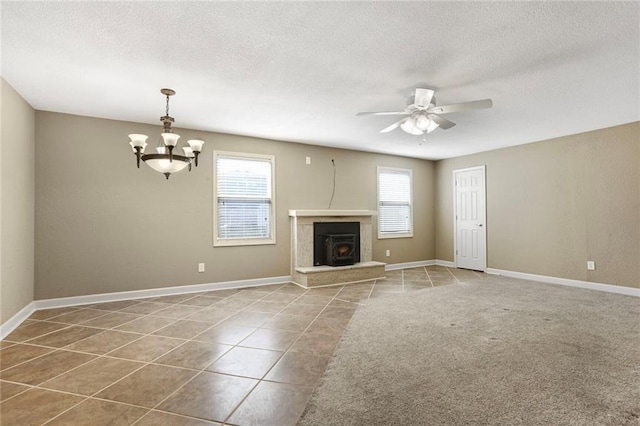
[412, 100]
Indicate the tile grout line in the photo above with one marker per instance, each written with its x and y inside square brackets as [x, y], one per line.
[281, 356]
[103, 330]
[371, 291]
[285, 353]
[452, 274]
[102, 389]
[233, 346]
[145, 364]
[172, 414]
[80, 324]
[98, 356]
[198, 372]
[429, 277]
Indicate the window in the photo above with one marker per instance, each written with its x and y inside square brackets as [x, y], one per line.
[395, 207]
[243, 198]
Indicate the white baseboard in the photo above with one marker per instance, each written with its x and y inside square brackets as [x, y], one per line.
[17, 319]
[628, 291]
[419, 263]
[406, 265]
[156, 292]
[12, 323]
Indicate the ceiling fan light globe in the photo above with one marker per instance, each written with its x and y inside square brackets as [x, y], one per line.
[432, 126]
[422, 122]
[410, 127]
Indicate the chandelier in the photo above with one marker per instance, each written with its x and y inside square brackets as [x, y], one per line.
[161, 161]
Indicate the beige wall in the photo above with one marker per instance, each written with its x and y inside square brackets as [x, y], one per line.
[104, 226]
[553, 205]
[17, 151]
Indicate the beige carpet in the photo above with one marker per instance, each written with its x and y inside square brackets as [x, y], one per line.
[496, 351]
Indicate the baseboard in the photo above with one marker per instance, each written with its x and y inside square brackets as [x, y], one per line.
[406, 265]
[155, 292]
[12, 323]
[627, 291]
[419, 263]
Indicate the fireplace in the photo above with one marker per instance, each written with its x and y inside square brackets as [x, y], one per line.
[336, 243]
[340, 249]
[308, 257]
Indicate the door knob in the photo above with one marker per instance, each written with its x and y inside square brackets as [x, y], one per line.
[480, 224]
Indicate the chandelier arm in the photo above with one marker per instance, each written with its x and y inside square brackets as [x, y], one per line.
[156, 156]
[138, 154]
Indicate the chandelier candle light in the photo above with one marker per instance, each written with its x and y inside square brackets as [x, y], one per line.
[161, 161]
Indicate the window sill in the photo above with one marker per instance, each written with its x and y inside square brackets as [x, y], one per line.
[252, 242]
[388, 236]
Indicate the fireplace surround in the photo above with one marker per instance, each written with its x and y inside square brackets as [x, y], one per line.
[304, 270]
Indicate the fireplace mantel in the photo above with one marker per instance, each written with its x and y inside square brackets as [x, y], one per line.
[331, 213]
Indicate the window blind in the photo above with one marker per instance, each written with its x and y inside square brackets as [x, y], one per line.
[394, 198]
[244, 197]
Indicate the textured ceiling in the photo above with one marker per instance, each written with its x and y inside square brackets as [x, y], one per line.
[300, 71]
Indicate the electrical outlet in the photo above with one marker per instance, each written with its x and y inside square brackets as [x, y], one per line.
[200, 267]
[308, 160]
[591, 265]
[388, 253]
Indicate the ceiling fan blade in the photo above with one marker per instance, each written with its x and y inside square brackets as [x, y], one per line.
[442, 122]
[385, 113]
[423, 98]
[394, 126]
[444, 109]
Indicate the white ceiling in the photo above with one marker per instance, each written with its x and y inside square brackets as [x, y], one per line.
[300, 71]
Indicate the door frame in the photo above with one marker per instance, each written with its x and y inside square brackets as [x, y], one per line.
[455, 209]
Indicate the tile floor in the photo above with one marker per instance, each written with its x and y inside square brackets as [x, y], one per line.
[247, 356]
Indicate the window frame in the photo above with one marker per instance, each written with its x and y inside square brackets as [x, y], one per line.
[231, 242]
[387, 235]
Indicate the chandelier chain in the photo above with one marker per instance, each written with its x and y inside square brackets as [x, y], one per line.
[167, 109]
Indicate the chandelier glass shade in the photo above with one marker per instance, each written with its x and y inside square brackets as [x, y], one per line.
[164, 160]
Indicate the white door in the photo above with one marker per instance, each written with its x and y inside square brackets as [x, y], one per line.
[470, 230]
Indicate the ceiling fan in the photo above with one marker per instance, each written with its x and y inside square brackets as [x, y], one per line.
[423, 113]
